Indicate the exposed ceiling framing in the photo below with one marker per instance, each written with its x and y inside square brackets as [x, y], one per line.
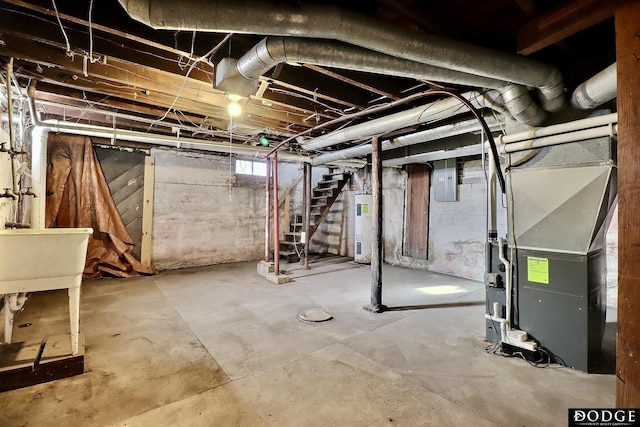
[115, 71]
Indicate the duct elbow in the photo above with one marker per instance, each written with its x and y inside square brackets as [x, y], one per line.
[138, 10]
[230, 79]
[552, 92]
[521, 105]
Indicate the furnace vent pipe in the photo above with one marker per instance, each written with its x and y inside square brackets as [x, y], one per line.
[334, 23]
[272, 51]
[597, 90]
[426, 135]
[428, 113]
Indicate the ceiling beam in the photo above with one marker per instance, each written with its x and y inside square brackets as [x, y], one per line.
[98, 27]
[562, 22]
[350, 81]
[137, 81]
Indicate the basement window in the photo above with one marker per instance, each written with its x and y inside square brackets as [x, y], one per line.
[248, 167]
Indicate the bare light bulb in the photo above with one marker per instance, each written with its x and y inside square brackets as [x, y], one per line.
[234, 109]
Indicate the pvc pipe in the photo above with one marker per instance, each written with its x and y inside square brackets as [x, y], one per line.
[559, 134]
[508, 285]
[39, 175]
[493, 228]
[564, 138]
[12, 142]
[561, 128]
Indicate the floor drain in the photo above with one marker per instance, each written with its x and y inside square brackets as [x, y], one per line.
[314, 315]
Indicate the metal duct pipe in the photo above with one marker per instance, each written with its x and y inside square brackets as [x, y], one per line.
[597, 90]
[272, 51]
[170, 141]
[520, 105]
[426, 135]
[427, 113]
[328, 22]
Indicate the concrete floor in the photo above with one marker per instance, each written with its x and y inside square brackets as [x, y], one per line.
[221, 346]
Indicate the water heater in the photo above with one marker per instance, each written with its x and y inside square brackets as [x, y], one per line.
[363, 229]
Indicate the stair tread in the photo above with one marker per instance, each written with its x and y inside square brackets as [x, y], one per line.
[292, 233]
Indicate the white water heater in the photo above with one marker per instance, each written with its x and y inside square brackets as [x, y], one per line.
[363, 228]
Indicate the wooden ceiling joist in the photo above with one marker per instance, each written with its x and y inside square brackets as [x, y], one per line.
[562, 22]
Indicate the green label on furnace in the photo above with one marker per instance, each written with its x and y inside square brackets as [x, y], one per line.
[538, 270]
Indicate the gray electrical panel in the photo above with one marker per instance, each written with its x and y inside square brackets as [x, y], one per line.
[445, 174]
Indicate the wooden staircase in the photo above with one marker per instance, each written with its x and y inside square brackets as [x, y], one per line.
[322, 198]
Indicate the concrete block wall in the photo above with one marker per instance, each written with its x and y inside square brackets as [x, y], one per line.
[204, 213]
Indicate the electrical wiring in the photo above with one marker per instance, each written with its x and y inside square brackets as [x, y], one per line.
[184, 83]
[540, 358]
[308, 98]
[66, 39]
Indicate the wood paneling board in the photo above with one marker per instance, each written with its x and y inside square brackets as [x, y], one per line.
[124, 171]
[417, 228]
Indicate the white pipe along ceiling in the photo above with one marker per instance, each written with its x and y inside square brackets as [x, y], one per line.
[154, 139]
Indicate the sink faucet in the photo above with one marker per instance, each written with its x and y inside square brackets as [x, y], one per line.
[28, 192]
[8, 194]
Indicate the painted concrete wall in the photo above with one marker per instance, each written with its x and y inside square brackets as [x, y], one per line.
[204, 213]
[457, 230]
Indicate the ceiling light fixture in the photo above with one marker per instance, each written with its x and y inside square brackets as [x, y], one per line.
[234, 108]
